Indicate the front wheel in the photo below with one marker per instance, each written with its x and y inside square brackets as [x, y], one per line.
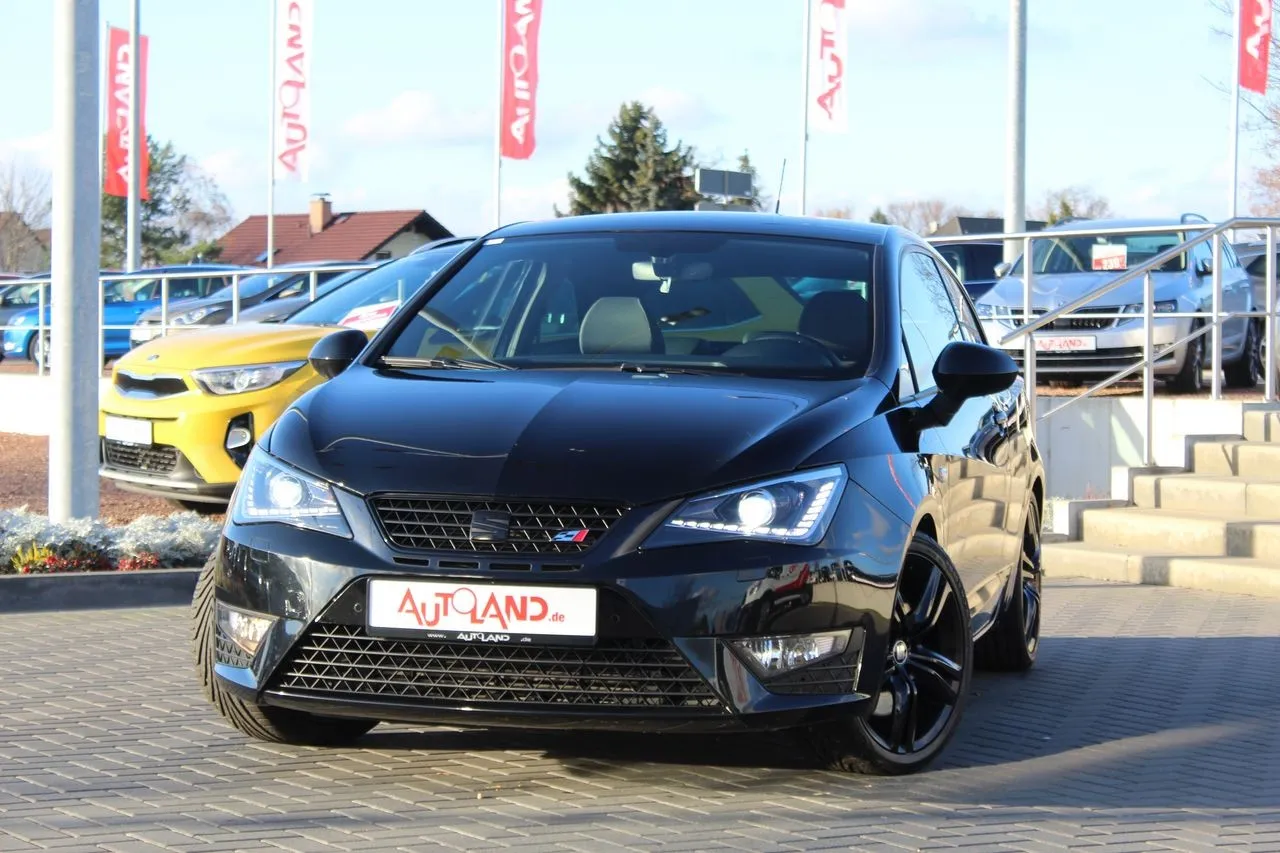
[926, 674]
[274, 725]
[1247, 369]
[1190, 379]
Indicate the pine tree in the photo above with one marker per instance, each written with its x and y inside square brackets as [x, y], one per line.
[757, 200]
[879, 217]
[634, 169]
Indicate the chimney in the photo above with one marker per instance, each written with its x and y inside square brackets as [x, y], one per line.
[321, 212]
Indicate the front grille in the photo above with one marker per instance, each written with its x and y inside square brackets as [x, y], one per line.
[1074, 322]
[344, 661]
[444, 524]
[153, 459]
[132, 385]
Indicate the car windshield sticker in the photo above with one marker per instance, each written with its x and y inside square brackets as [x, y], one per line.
[1110, 256]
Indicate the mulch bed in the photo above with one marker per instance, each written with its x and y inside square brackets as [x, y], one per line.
[24, 481]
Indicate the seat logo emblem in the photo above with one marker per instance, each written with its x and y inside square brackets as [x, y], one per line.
[488, 525]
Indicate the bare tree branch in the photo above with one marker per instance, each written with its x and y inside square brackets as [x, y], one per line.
[26, 203]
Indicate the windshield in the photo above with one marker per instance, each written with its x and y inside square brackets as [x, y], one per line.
[371, 298]
[253, 285]
[694, 301]
[22, 294]
[1094, 254]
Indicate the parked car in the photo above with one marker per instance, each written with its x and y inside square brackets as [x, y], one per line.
[975, 263]
[1253, 257]
[280, 282]
[122, 301]
[280, 308]
[1068, 267]
[183, 411]
[560, 510]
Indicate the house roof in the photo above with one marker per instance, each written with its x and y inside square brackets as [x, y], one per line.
[348, 236]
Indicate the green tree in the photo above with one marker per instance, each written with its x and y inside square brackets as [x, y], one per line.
[634, 169]
[1072, 203]
[179, 222]
[879, 217]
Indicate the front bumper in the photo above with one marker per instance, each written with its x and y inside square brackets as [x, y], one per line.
[16, 340]
[1095, 351]
[659, 660]
[188, 457]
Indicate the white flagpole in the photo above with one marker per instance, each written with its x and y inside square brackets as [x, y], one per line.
[137, 145]
[497, 141]
[271, 157]
[1233, 196]
[804, 138]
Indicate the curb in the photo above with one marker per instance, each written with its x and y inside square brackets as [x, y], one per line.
[97, 590]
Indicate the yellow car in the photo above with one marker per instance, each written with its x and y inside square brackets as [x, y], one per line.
[184, 411]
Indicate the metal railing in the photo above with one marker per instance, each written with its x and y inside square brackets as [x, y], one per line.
[1213, 319]
[41, 329]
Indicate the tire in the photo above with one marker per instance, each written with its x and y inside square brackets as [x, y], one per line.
[1190, 379]
[200, 507]
[1245, 371]
[37, 349]
[870, 741]
[274, 725]
[1013, 641]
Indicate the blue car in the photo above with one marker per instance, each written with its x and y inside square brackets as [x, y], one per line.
[123, 303]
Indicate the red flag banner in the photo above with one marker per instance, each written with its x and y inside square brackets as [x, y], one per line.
[828, 55]
[1255, 44]
[521, 21]
[293, 88]
[119, 142]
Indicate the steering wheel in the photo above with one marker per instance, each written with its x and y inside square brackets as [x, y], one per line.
[810, 343]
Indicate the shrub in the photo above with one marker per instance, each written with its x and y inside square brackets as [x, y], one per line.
[31, 543]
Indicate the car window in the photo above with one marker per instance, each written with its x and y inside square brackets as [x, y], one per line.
[1057, 254]
[1201, 253]
[954, 256]
[929, 319]
[716, 301]
[384, 287]
[1229, 255]
[969, 328]
[981, 263]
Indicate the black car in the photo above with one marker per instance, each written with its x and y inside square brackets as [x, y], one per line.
[612, 472]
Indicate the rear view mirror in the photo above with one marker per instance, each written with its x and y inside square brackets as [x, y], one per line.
[334, 353]
[1002, 269]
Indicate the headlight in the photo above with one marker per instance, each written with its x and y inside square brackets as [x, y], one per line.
[195, 315]
[1169, 306]
[270, 490]
[795, 509]
[984, 310]
[248, 377]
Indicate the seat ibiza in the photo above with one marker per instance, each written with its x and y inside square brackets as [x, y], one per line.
[618, 472]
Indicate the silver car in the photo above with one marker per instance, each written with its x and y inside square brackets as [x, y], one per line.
[1068, 267]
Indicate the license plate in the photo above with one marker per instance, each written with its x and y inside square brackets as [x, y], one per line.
[128, 430]
[1077, 343]
[481, 612]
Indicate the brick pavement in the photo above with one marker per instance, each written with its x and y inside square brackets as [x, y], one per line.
[1150, 724]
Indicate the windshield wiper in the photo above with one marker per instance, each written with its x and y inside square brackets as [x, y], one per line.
[443, 362]
[628, 367]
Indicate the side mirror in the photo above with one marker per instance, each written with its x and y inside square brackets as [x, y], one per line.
[964, 370]
[1204, 266]
[1002, 269]
[334, 353]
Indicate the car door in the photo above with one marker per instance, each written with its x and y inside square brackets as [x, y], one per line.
[1237, 297]
[966, 454]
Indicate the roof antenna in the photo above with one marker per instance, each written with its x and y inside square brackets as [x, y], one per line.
[777, 203]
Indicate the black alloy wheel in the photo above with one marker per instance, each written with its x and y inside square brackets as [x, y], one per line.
[1190, 379]
[1014, 640]
[1247, 370]
[925, 674]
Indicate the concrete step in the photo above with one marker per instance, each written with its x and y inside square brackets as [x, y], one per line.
[1239, 575]
[1234, 458]
[1197, 534]
[1247, 496]
[1261, 425]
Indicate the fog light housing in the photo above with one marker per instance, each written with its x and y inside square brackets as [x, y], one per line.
[770, 656]
[243, 627]
[239, 439]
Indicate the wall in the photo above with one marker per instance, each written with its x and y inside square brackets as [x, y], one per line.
[1095, 441]
[27, 403]
[403, 243]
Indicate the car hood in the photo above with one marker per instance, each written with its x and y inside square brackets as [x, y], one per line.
[276, 309]
[1051, 291]
[562, 435]
[177, 306]
[226, 346]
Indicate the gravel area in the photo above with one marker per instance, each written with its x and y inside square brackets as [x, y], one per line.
[24, 481]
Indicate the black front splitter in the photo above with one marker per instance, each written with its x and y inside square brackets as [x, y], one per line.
[640, 720]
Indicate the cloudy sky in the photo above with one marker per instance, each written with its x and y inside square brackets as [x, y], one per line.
[1125, 96]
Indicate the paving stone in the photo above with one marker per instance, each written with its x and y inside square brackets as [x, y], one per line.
[1148, 724]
